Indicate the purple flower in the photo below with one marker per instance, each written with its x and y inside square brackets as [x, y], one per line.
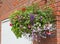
[31, 18]
[33, 35]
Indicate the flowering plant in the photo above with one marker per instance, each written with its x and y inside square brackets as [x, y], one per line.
[33, 21]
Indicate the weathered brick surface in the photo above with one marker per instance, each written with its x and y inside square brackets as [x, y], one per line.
[57, 0]
[0, 32]
[58, 8]
[49, 41]
[58, 22]
[58, 12]
[58, 3]
[58, 17]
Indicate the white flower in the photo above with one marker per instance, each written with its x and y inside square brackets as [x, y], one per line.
[34, 30]
[39, 29]
[39, 24]
[43, 36]
[36, 36]
[24, 27]
[49, 26]
[21, 26]
[34, 27]
[45, 28]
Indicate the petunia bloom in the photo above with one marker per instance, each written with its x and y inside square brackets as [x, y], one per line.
[29, 26]
[11, 24]
[48, 33]
[31, 18]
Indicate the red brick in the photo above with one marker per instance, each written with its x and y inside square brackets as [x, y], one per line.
[5, 8]
[58, 39]
[58, 18]
[55, 9]
[58, 34]
[58, 12]
[52, 5]
[41, 3]
[58, 23]
[58, 8]
[57, 0]
[58, 27]
[1, 11]
[58, 4]
[0, 31]
[15, 3]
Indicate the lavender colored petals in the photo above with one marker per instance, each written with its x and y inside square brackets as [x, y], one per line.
[32, 18]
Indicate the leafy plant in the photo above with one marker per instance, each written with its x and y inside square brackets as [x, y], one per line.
[31, 20]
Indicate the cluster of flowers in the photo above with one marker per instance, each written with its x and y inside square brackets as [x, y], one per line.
[33, 24]
[47, 29]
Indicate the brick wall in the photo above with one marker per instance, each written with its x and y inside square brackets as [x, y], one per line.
[58, 21]
[8, 6]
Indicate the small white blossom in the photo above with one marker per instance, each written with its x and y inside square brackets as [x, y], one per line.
[42, 36]
[24, 27]
[45, 28]
[39, 24]
[34, 24]
[50, 25]
[34, 30]
[38, 29]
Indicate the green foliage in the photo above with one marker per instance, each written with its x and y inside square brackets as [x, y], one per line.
[21, 20]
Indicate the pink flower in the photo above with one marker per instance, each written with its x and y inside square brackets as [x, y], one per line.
[11, 24]
[29, 26]
[49, 33]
